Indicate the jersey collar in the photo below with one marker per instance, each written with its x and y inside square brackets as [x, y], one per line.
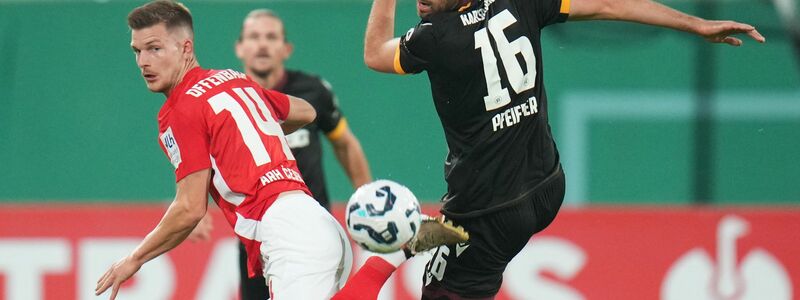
[188, 79]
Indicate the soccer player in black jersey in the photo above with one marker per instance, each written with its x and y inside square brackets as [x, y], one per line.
[484, 63]
[263, 48]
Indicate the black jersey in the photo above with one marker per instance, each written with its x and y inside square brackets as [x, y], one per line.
[305, 142]
[485, 70]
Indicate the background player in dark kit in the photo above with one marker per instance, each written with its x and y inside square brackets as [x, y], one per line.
[263, 48]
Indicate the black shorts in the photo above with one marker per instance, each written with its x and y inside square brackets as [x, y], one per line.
[474, 270]
[251, 288]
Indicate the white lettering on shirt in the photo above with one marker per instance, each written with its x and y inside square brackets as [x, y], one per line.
[514, 115]
[473, 17]
[205, 84]
[280, 173]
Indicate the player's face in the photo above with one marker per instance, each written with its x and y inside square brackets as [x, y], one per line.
[263, 47]
[160, 56]
[428, 7]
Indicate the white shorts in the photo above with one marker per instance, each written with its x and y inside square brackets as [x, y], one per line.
[305, 251]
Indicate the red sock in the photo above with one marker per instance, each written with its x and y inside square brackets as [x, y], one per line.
[368, 281]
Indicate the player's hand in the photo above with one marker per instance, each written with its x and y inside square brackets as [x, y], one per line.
[116, 275]
[202, 232]
[722, 31]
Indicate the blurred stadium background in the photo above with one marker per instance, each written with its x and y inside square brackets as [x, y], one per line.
[682, 157]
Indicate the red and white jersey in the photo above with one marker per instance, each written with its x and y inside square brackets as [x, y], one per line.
[222, 120]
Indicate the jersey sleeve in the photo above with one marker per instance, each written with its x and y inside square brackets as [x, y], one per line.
[549, 12]
[187, 143]
[328, 114]
[278, 101]
[416, 49]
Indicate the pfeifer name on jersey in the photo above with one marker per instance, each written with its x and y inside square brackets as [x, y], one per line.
[280, 173]
[515, 114]
[219, 78]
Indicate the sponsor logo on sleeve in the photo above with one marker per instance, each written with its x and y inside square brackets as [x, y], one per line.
[169, 142]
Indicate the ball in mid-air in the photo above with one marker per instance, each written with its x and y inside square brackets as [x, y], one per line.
[382, 216]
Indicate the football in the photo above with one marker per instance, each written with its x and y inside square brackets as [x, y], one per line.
[382, 216]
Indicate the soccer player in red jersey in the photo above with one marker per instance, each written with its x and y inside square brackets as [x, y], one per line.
[224, 135]
[221, 132]
[263, 49]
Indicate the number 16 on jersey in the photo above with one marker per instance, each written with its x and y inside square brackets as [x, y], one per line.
[520, 81]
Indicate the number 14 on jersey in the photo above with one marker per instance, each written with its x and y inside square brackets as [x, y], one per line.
[266, 124]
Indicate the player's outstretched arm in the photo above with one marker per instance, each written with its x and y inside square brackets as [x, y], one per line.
[351, 156]
[181, 217]
[653, 13]
[202, 232]
[379, 43]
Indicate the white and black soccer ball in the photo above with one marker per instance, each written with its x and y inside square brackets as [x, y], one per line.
[382, 216]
